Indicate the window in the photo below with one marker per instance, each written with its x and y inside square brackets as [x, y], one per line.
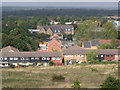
[48, 58]
[57, 58]
[1, 58]
[112, 55]
[55, 31]
[108, 55]
[43, 58]
[15, 58]
[66, 29]
[5, 58]
[78, 56]
[23, 58]
[11, 58]
[27, 58]
[71, 55]
[82, 55]
[66, 55]
[75, 55]
[36, 58]
[32, 58]
[58, 30]
[53, 58]
[101, 55]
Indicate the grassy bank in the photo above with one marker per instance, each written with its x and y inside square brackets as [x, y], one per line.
[90, 76]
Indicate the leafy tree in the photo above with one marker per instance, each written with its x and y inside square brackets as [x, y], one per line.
[111, 82]
[115, 43]
[43, 21]
[105, 46]
[109, 32]
[91, 56]
[85, 31]
[76, 84]
[51, 63]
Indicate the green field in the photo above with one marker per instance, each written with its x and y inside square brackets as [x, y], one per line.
[90, 76]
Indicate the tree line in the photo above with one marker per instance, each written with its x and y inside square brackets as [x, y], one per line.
[60, 12]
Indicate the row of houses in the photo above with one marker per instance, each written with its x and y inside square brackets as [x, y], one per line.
[54, 30]
[70, 55]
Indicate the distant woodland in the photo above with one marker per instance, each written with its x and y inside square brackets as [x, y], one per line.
[60, 12]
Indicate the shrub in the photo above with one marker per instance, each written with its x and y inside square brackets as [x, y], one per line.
[51, 63]
[110, 82]
[94, 62]
[93, 69]
[12, 66]
[40, 64]
[30, 64]
[58, 77]
[76, 84]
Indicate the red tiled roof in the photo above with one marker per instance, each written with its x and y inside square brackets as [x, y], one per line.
[105, 41]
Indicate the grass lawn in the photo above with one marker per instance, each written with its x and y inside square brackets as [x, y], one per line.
[90, 76]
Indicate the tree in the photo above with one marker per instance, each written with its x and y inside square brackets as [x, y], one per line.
[76, 84]
[51, 63]
[91, 56]
[115, 43]
[106, 46]
[110, 82]
[85, 31]
[43, 21]
[109, 31]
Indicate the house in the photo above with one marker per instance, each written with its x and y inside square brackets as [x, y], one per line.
[68, 23]
[57, 29]
[93, 44]
[57, 36]
[74, 54]
[108, 54]
[43, 46]
[66, 44]
[51, 46]
[34, 30]
[77, 54]
[9, 49]
[54, 22]
[12, 55]
[105, 41]
[54, 46]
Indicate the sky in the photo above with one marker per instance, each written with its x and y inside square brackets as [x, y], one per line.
[62, 3]
[59, 0]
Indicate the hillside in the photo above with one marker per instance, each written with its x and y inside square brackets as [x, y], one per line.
[90, 76]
